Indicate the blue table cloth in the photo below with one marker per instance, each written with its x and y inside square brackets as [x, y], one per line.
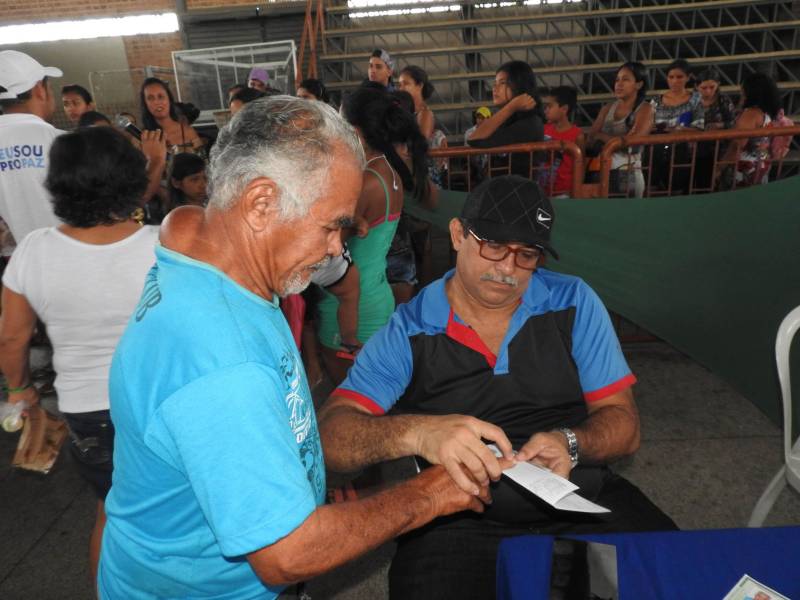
[669, 565]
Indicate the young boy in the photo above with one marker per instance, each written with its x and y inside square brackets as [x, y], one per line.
[559, 104]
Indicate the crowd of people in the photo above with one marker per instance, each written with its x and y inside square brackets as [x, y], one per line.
[167, 269]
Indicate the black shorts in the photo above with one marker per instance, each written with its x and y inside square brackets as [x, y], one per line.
[92, 448]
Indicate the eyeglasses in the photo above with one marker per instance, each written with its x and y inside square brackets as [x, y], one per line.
[525, 257]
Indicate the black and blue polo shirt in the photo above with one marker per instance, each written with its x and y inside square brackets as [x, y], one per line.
[560, 352]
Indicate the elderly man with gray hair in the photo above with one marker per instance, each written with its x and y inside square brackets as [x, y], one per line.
[219, 479]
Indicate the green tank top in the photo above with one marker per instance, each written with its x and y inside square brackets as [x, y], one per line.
[376, 301]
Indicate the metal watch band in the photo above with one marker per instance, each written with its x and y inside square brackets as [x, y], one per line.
[572, 444]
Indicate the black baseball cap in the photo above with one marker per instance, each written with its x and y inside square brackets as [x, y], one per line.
[509, 209]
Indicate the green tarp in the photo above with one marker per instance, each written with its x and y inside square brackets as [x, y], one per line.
[711, 274]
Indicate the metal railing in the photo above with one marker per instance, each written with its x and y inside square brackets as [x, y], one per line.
[462, 167]
[686, 162]
[674, 170]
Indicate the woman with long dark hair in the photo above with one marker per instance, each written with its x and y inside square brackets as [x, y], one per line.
[760, 104]
[384, 126]
[160, 112]
[519, 118]
[629, 114]
[414, 80]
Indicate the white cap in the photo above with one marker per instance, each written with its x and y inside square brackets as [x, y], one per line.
[19, 73]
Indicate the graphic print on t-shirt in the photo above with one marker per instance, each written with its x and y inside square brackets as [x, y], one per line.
[151, 295]
[301, 420]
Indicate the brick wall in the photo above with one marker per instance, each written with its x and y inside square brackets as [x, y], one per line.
[12, 11]
[151, 51]
[141, 50]
[154, 50]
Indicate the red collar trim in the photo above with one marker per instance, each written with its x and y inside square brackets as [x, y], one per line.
[466, 336]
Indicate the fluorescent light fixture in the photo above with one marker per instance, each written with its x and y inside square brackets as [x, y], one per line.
[406, 11]
[86, 29]
[383, 8]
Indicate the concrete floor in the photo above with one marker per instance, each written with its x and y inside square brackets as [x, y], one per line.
[706, 456]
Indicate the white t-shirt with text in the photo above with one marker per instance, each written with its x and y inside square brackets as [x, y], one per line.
[25, 142]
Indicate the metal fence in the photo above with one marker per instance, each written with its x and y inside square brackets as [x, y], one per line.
[651, 165]
[203, 76]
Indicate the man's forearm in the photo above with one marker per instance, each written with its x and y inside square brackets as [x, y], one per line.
[337, 533]
[609, 433]
[353, 440]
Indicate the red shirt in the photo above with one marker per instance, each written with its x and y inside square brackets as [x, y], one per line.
[563, 179]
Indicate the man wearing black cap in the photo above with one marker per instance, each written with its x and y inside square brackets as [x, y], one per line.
[504, 351]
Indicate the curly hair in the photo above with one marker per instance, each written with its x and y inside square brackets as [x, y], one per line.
[384, 122]
[96, 177]
[761, 92]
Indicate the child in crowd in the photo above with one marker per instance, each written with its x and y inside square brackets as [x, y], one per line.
[480, 161]
[92, 118]
[484, 112]
[559, 105]
[187, 182]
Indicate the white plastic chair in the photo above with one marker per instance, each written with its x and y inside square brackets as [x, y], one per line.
[790, 471]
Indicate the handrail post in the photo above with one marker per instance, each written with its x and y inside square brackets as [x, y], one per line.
[606, 154]
[578, 167]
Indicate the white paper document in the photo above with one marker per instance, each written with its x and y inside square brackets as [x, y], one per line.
[556, 491]
[748, 588]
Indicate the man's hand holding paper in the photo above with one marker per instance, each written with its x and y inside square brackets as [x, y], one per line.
[548, 449]
[454, 441]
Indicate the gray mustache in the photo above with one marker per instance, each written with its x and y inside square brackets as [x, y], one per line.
[321, 264]
[507, 279]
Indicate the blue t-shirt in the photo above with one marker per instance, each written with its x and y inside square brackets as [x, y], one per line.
[217, 452]
[389, 363]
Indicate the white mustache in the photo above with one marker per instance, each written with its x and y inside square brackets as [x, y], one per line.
[506, 279]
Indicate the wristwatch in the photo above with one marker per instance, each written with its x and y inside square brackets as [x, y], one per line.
[572, 444]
